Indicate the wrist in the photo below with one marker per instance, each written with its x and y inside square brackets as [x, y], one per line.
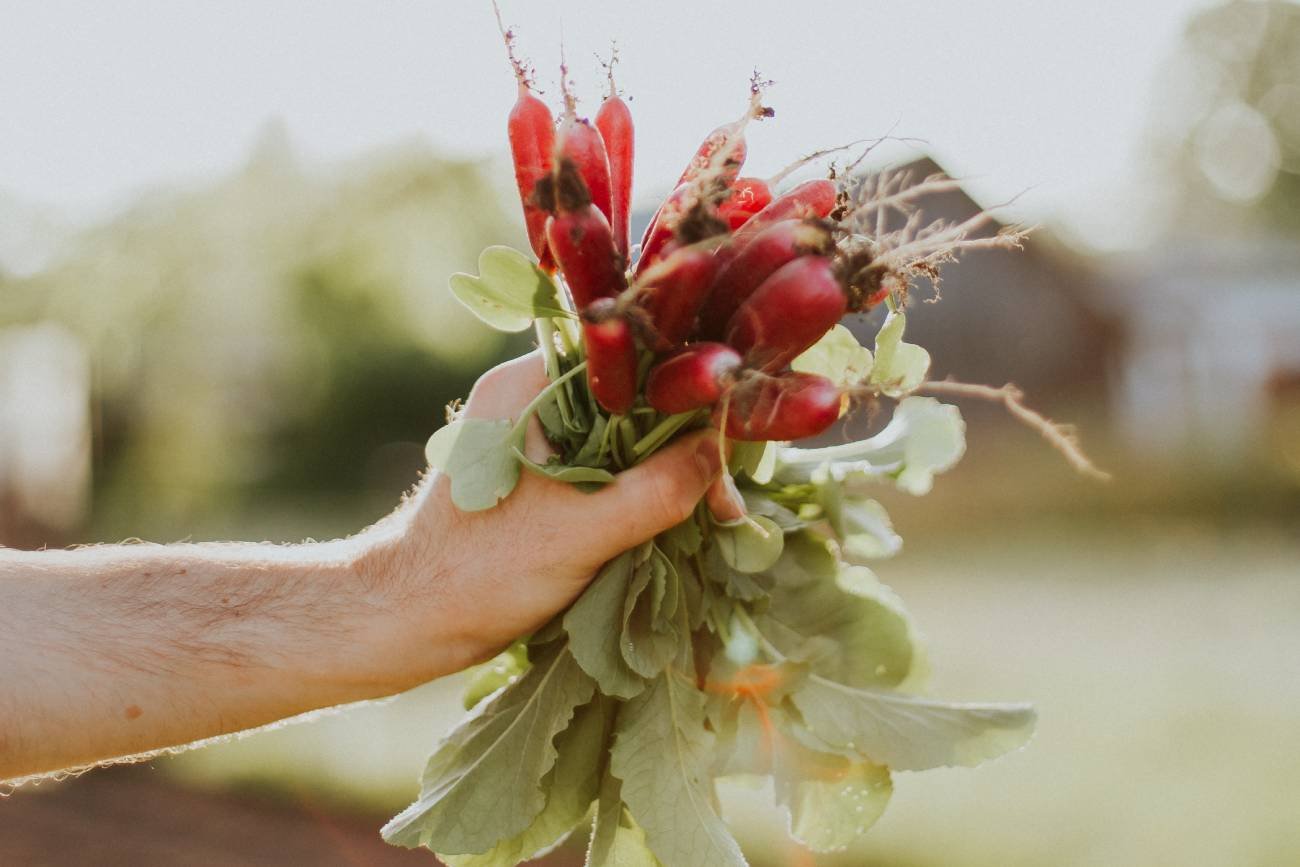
[409, 630]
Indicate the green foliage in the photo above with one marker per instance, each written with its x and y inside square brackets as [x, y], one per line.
[899, 366]
[761, 646]
[509, 292]
[479, 456]
[837, 356]
[661, 753]
[484, 783]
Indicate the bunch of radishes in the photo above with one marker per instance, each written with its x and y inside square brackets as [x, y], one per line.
[731, 284]
[760, 646]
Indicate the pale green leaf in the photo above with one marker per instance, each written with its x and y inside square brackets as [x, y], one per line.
[648, 643]
[835, 801]
[509, 292]
[837, 356]
[497, 672]
[683, 539]
[570, 788]
[923, 438]
[616, 840]
[478, 455]
[483, 783]
[749, 545]
[868, 534]
[754, 458]
[565, 473]
[908, 733]
[899, 367]
[595, 624]
[662, 753]
[845, 625]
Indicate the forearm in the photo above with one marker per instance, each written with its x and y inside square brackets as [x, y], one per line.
[116, 650]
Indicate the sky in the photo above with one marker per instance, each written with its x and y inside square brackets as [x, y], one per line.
[101, 101]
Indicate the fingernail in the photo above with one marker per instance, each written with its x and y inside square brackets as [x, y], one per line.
[707, 458]
[725, 500]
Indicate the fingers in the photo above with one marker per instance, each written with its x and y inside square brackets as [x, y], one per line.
[651, 497]
[506, 389]
[724, 499]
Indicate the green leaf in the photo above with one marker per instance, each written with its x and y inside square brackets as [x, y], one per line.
[837, 356]
[649, 643]
[497, 672]
[570, 788]
[845, 625]
[478, 455]
[510, 291]
[756, 459]
[564, 473]
[900, 367]
[923, 438]
[595, 624]
[684, 538]
[908, 733]
[867, 533]
[594, 448]
[661, 753]
[835, 802]
[616, 840]
[483, 783]
[749, 545]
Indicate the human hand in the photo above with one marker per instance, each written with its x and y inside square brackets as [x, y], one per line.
[461, 585]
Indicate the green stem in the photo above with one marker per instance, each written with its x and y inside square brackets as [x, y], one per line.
[661, 432]
[517, 432]
[546, 339]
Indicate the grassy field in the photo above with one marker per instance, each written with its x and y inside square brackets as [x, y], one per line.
[1163, 659]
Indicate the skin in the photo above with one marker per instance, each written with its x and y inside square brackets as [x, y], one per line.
[119, 650]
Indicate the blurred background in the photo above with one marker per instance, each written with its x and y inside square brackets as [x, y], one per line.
[225, 233]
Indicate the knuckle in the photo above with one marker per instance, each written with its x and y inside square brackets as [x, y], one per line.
[668, 493]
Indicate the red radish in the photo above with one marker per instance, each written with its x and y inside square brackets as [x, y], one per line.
[693, 377]
[748, 197]
[614, 121]
[788, 313]
[660, 231]
[581, 143]
[531, 130]
[579, 238]
[814, 198]
[789, 406]
[723, 151]
[611, 356]
[675, 293]
[772, 248]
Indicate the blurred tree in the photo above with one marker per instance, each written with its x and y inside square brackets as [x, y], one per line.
[272, 333]
[1227, 120]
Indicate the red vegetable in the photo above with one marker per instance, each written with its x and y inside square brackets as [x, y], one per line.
[773, 247]
[814, 198]
[581, 143]
[611, 356]
[724, 150]
[660, 231]
[693, 377]
[788, 313]
[676, 292]
[789, 406]
[579, 238]
[614, 121]
[748, 197]
[531, 130]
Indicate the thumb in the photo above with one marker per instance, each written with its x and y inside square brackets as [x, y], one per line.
[652, 496]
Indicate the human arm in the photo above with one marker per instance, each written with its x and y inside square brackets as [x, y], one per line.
[116, 650]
